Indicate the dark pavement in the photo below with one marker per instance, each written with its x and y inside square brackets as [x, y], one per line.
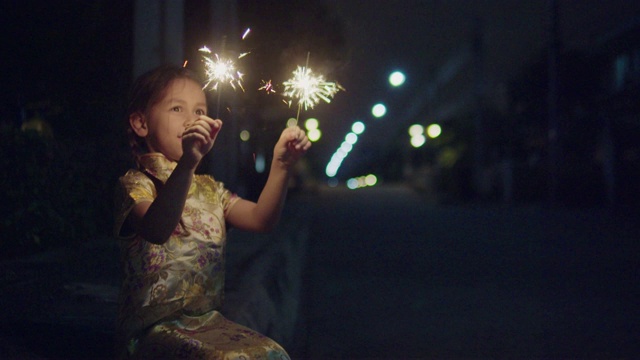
[385, 273]
[392, 276]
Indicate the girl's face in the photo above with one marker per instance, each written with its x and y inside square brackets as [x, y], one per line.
[181, 105]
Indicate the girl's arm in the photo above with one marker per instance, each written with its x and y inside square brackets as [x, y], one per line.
[263, 215]
[155, 221]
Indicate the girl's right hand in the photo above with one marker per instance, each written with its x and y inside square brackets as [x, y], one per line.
[198, 138]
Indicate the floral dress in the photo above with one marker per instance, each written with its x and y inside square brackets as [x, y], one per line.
[171, 292]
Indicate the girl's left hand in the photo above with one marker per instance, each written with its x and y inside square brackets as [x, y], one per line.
[291, 146]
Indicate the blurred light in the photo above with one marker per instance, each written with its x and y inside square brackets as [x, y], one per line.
[362, 181]
[292, 122]
[378, 110]
[396, 78]
[314, 134]
[358, 127]
[370, 180]
[416, 129]
[245, 135]
[311, 124]
[351, 138]
[418, 140]
[260, 162]
[332, 168]
[434, 130]
[346, 147]
[333, 182]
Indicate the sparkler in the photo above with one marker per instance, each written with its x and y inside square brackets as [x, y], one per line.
[221, 70]
[309, 89]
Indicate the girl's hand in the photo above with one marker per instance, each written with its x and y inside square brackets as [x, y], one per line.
[291, 146]
[198, 138]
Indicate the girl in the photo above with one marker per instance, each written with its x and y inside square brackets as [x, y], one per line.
[172, 225]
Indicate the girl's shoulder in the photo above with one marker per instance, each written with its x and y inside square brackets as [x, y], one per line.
[134, 177]
[133, 174]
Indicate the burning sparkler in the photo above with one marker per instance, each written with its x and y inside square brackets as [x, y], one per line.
[309, 89]
[220, 70]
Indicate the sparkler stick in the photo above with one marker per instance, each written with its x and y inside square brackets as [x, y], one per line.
[308, 89]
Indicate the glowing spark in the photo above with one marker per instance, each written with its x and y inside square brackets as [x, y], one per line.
[309, 89]
[185, 63]
[267, 86]
[221, 70]
[246, 33]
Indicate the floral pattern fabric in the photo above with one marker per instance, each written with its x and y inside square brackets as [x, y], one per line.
[171, 292]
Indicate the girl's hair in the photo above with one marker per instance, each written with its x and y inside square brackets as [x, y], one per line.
[148, 89]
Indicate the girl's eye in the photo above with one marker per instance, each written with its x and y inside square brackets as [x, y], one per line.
[176, 109]
[201, 112]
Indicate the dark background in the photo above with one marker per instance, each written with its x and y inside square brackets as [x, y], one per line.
[534, 117]
[480, 69]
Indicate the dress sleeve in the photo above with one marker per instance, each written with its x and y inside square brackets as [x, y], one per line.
[225, 197]
[132, 188]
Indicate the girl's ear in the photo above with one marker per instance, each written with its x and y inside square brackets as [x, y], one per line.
[138, 124]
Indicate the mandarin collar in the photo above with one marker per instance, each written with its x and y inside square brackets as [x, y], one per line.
[157, 165]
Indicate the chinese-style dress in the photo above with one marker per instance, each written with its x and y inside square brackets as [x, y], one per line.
[171, 293]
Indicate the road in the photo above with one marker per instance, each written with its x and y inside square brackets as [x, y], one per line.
[391, 275]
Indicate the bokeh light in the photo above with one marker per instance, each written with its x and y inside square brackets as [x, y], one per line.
[260, 163]
[346, 147]
[434, 130]
[358, 127]
[292, 122]
[416, 129]
[378, 110]
[418, 140]
[362, 181]
[351, 138]
[314, 135]
[245, 135]
[396, 78]
[311, 123]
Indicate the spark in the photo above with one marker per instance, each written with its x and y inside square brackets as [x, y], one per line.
[267, 86]
[309, 89]
[246, 33]
[220, 70]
